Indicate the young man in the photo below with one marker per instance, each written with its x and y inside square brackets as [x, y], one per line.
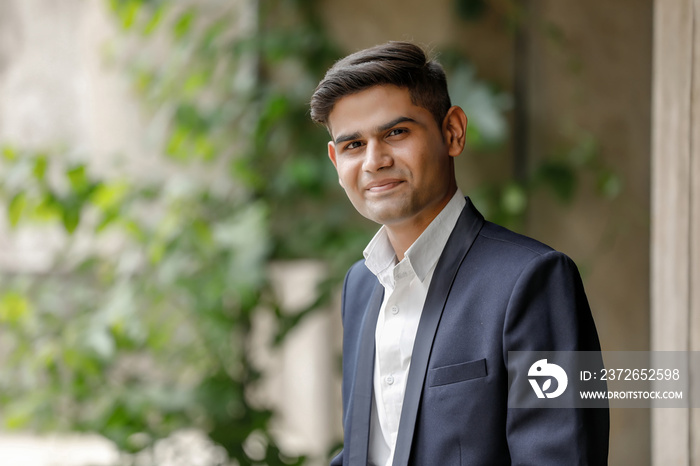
[443, 295]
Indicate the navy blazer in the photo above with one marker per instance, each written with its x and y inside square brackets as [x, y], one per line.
[492, 291]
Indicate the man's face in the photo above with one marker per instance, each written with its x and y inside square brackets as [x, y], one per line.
[391, 157]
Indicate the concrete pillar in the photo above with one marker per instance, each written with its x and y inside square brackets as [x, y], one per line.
[675, 235]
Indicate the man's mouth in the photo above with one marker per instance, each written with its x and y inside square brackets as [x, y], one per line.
[383, 185]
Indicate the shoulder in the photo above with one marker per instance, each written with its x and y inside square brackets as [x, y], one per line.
[500, 237]
[502, 251]
[359, 276]
[358, 287]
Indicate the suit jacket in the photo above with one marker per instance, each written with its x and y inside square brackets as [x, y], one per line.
[492, 291]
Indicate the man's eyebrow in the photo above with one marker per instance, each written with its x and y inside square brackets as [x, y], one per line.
[356, 135]
[347, 137]
[394, 122]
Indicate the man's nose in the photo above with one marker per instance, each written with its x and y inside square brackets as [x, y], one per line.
[376, 157]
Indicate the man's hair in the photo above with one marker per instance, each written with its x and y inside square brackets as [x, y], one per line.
[401, 64]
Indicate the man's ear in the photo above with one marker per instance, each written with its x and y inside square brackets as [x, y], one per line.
[331, 153]
[454, 130]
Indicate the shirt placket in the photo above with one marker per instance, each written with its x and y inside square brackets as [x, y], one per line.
[391, 360]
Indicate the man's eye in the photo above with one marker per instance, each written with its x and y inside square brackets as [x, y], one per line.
[353, 145]
[396, 131]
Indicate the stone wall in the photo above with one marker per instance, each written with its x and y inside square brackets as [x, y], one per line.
[608, 94]
[676, 216]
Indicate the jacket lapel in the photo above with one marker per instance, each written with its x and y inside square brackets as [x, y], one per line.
[461, 239]
[362, 390]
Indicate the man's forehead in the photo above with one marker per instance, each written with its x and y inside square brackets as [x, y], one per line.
[371, 108]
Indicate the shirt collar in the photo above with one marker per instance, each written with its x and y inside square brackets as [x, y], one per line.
[423, 254]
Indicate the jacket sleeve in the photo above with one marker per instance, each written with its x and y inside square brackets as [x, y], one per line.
[355, 283]
[548, 311]
[337, 460]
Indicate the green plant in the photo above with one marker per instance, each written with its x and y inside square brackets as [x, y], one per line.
[145, 328]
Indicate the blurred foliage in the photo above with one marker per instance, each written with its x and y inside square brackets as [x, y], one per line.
[140, 323]
[470, 10]
[560, 174]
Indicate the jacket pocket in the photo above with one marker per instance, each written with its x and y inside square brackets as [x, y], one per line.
[457, 373]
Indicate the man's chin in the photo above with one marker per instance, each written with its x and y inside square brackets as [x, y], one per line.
[385, 216]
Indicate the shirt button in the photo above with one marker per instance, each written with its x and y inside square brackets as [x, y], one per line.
[389, 379]
[394, 310]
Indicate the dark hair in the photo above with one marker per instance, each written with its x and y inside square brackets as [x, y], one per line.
[402, 64]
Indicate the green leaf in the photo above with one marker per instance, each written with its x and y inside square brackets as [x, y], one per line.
[9, 153]
[191, 119]
[276, 107]
[109, 195]
[13, 307]
[47, 209]
[19, 414]
[214, 31]
[584, 152]
[204, 148]
[40, 165]
[242, 171]
[154, 21]
[156, 251]
[127, 12]
[470, 10]
[77, 177]
[609, 185]
[474, 138]
[16, 208]
[135, 230]
[71, 217]
[195, 82]
[143, 80]
[203, 232]
[560, 178]
[184, 23]
[175, 148]
[108, 218]
[514, 199]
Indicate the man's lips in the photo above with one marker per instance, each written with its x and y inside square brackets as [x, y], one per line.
[383, 185]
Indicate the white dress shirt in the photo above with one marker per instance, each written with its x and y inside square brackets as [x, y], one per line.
[405, 289]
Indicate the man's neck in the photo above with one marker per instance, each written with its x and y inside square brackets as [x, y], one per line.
[401, 240]
[403, 235]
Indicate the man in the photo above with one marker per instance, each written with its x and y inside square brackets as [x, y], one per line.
[443, 295]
